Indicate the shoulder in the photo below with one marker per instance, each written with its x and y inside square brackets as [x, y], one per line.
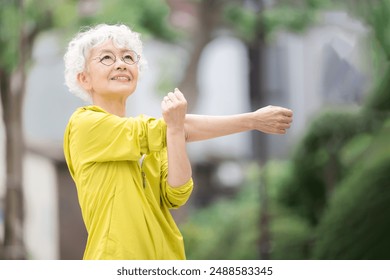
[90, 115]
[88, 111]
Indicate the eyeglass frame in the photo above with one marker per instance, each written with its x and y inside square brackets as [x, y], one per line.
[137, 56]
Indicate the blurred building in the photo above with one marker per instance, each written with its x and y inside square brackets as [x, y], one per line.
[322, 67]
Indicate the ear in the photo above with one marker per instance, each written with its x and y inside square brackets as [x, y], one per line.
[84, 81]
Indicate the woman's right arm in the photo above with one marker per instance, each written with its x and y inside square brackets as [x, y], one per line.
[174, 108]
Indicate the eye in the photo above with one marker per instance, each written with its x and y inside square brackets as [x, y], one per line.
[107, 58]
[128, 56]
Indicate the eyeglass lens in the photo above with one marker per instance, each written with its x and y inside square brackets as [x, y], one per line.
[130, 57]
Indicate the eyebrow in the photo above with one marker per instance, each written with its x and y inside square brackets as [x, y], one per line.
[108, 50]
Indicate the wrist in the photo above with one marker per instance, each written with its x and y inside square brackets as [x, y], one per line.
[250, 121]
[175, 130]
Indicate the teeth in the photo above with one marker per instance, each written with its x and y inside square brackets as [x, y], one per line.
[121, 78]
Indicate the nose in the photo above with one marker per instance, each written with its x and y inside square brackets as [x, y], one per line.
[120, 64]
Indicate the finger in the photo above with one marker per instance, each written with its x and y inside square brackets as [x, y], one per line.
[172, 96]
[278, 131]
[281, 131]
[167, 99]
[164, 106]
[287, 112]
[287, 120]
[179, 95]
[280, 126]
[284, 126]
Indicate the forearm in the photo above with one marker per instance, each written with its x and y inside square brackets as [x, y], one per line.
[179, 167]
[269, 119]
[202, 127]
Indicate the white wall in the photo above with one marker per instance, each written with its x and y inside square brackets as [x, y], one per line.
[41, 209]
[40, 204]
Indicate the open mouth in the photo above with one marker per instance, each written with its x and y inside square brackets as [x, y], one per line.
[120, 78]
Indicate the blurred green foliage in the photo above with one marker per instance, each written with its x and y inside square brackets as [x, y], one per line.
[295, 17]
[356, 224]
[30, 18]
[243, 20]
[317, 160]
[376, 14]
[379, 100]
[9, 35]
[148, 17]
[226, 230]
[311, 216]
[290, 233]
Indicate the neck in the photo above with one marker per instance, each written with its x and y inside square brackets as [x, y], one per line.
[115, 107]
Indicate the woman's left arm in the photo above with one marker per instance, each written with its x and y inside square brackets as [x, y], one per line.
[269, 119]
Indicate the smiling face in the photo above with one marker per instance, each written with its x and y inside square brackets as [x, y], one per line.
[101, 79]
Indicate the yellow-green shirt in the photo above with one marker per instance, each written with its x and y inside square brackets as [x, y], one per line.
[124, 202]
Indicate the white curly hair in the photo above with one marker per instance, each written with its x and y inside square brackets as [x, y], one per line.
[80, 46]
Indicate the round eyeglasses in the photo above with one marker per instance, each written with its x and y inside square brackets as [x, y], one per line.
[130, 57]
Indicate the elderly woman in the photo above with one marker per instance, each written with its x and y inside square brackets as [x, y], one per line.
[130, 171]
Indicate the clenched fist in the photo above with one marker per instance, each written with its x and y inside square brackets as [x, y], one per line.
[174, 109]
[272, 119]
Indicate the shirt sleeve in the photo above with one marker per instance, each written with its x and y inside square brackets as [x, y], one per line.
[173, 197]
[96, 136]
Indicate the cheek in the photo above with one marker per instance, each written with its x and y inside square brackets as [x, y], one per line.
[99, 77]
[135, 74]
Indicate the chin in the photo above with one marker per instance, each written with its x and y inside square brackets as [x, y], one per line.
[124, 92]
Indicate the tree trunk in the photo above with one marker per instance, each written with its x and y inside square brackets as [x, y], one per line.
[12, 92]
[257, 93]
[209, 15]
[259, 141]
[12, 115]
